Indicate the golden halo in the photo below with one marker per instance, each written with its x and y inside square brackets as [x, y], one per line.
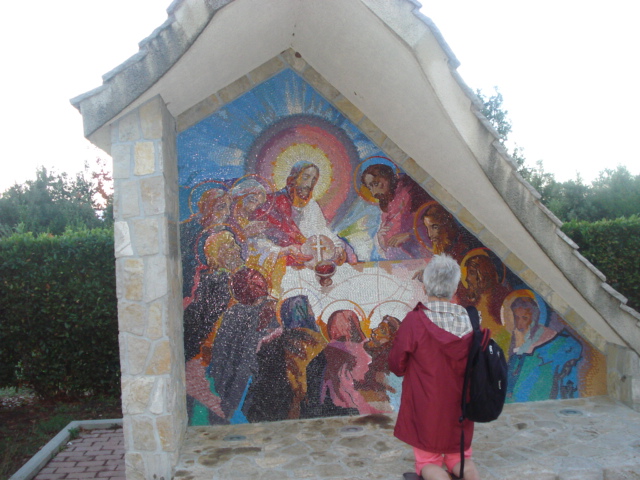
[370, 316]
[196, 188]
[297, 152]
[364, 322]
[360, 189]
[269, 186]
[203, 235]
[505, 310]
[482, 252]
[476, 252]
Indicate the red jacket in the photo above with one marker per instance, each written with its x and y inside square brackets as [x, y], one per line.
[432, 361]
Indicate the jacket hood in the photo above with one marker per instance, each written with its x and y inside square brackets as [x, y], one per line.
[439, 322]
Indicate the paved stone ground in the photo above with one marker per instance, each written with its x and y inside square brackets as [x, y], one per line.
[587, 439]
[94, 454]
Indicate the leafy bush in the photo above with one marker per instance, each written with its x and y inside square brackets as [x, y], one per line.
[58, 313]
[613, 246]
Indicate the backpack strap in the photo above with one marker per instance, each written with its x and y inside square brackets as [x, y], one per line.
[475, 323]
[475, 317]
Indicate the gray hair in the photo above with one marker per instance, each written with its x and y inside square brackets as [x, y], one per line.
[441, 276]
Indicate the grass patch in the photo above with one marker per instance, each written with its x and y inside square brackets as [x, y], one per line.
[27, 423]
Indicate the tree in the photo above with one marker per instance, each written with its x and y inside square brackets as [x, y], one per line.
[498, 117]
[54, 202]
[616, 193]
[571, 200]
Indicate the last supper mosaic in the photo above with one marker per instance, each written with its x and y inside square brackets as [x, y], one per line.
[302, 250]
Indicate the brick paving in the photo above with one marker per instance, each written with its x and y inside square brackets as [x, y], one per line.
[94, 454]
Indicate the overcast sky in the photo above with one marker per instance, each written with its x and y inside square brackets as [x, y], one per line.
[567, 69]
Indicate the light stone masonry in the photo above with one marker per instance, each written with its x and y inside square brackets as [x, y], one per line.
[534, 282]
[129, 128]
[136, 394]
[121, 155]
[469, 221]
[198, 112]
[235, 89]
[623, 375]
[152, 193]
[136, 354]
[266, 70]
[160, 361]
[575, 320]
[147, 236]
[122, 240]
[151, 120]
[155, 322]
[493, 243]
[131, 318]
[157, 403]
[376, 135]
[393, 151]
[558, 303]
[146, 219]
[325, 89]
[129, 278]
[437, 191]
[348, 109]
[144, 158]
[514, 263]
[295, 60]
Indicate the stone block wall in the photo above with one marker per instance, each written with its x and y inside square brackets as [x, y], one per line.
[149, 289]
[623, 375]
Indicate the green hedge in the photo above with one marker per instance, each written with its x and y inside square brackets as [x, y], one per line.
[58, 313]
[613, 246]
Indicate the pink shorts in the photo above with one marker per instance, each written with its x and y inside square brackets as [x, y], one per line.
[427, 458]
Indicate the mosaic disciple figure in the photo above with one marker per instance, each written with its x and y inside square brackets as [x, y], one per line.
[259, 251]
[248, 196]
[541, 361]
[210, 300]
[233, 357]
[293, 215]
[376, 386]
[347, 363]
[398, 198]
[214, 208]
[483, 288]
[291, 364]
[444, 233]
[304, 356]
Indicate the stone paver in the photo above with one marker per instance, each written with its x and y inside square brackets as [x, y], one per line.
[94, 454]
[588, 439]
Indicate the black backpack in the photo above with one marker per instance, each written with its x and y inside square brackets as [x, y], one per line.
[485, 380]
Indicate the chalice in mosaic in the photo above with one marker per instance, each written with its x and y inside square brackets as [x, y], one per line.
[323, 263]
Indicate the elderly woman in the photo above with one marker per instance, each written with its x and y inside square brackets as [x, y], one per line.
[430, 350]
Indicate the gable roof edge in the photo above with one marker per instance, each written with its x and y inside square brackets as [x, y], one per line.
[157, 54]
[580, 272]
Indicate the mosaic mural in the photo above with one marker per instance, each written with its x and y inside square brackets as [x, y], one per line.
[302, 248]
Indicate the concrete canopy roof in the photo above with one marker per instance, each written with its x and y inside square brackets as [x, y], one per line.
[390, 62]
